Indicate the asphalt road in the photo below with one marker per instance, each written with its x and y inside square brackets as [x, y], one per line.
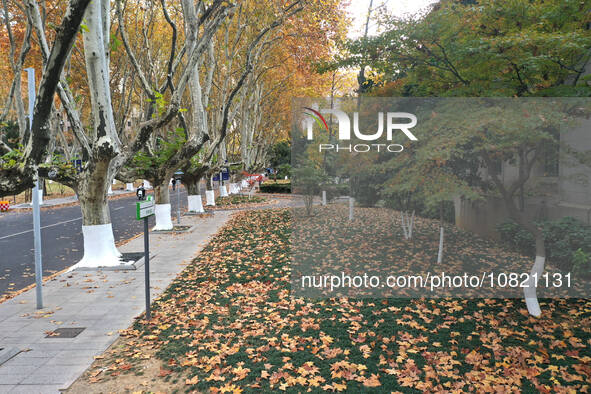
[61, 234]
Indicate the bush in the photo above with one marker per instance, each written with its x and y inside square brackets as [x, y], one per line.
[568, 241]
[276, 188]
[283, 171]
[423, 210]
[333, 191]
[582, 263]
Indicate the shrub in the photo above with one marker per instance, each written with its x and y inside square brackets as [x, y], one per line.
[276, 188]
[284, 170]
[333, 191]
[582, 263]
[567, 240]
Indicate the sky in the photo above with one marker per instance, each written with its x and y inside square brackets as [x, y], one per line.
[358, 11]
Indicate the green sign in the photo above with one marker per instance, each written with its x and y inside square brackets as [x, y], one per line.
[144, 209]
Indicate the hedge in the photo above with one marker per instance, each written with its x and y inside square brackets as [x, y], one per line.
[275, 188]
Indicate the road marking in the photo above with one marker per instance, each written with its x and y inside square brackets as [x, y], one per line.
[49, 225]
[116, 209]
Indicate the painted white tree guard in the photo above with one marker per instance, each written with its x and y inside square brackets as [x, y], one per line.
[244, 183]
[110, 190]
[529, 291]
[163, 217]
[210, 198]
[147, 185]
[223, 191]
[99, 247]
[129, 187]
[195, 204]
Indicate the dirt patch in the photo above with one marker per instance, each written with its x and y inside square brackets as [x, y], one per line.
[146, 375]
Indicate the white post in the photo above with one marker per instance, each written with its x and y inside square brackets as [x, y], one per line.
[324, 197]
[210, 198]
[36, 202]
[440, 253]
[351, 205]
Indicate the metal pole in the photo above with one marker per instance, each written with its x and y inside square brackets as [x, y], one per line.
[36, 210]
[147, 267]
[178, 200]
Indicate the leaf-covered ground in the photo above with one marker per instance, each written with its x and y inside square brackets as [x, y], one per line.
[229, 324]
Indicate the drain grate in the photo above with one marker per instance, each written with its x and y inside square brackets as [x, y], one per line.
[65, 332]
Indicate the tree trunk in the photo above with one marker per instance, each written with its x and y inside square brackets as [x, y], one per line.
[163, 207]
[195, 203]
[530, 291]
[99, 242]
[440, 253]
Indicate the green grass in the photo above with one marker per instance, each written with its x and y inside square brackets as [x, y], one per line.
[229, 322]
[235, 200]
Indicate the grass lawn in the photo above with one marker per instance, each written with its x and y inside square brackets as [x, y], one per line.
[229, 324]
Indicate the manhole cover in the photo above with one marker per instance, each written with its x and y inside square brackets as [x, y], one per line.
[131, 256]
[65, 332]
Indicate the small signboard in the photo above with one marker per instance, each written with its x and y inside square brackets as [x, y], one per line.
[144, 209]
[225, 175]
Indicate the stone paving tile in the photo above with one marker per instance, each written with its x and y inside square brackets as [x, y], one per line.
[6, 388]
[71, 300]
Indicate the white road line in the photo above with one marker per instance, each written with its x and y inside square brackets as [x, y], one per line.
[49, 225]
[116, 209]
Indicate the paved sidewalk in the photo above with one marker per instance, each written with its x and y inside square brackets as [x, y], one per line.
[65, 200]
[101, 302]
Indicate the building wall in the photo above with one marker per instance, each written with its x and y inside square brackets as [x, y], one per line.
[552, 198]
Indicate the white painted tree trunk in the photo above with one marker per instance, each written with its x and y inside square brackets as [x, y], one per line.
[529, 291]
[99, 247]
[129, 187]
[162, 211]
[440, 253]
[324, 197]
[147, 185]
[110, 191]
[97, 230]
[223, 191]
[407, 224]
[195, 204]
[163, 217]
[210, 198]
